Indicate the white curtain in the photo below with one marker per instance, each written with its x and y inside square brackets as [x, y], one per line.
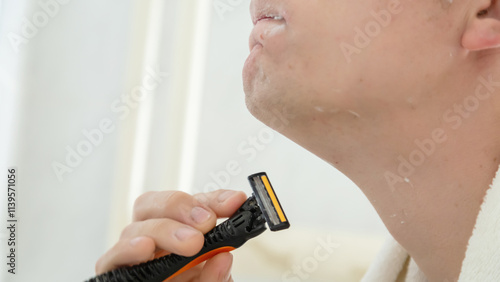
[87, 111]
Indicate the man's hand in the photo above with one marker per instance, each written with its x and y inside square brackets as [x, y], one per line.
[174, 222]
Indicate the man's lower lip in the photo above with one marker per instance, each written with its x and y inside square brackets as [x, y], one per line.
[270, 19]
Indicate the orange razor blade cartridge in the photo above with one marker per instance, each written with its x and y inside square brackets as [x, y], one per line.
[268, 202]
[246, 223]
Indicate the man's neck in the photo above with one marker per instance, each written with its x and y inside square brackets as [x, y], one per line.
[425, 166]
[429, 195]
[432, 216]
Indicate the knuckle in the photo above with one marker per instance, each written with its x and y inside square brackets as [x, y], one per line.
[157, 227]
[176, 197]
[97, 267]
[160, 204]
[102, 263]
[128, 230]
[142, 199]
[140, 204]
[172, 200]
[202, 198]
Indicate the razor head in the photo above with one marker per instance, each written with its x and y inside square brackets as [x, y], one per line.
[268, 202]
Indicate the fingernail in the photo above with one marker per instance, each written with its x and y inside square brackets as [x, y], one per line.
[226, 195]
[200, 215]
[184, 233]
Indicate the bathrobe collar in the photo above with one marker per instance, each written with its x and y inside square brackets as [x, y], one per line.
[482, 258]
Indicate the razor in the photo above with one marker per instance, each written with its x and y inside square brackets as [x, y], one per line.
[246, 223]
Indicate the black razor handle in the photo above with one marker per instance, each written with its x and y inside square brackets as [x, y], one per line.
[246, 223]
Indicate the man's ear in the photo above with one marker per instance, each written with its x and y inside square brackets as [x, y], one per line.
[483, 31]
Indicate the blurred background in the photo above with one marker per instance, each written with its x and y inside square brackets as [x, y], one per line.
[104, 100]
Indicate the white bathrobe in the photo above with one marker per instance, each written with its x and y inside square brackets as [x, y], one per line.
[482, 259]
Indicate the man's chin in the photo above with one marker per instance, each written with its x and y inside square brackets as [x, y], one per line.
[254, 109]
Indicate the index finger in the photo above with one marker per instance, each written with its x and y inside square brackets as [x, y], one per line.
[223, 203]
[180, 206]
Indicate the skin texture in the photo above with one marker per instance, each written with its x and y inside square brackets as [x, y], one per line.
[365, 111]
[367, 107]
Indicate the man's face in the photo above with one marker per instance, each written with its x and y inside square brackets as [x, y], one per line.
[337, 64]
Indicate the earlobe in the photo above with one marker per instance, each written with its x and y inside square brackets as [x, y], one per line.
[483, 32]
